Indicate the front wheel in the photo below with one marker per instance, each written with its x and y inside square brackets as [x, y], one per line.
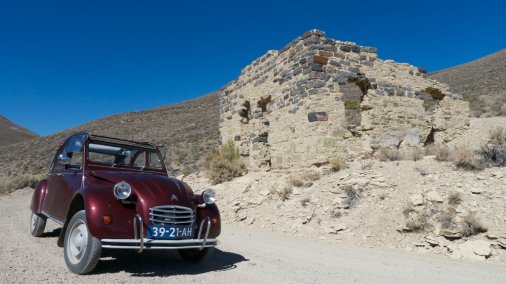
[37, 225]
[196, 255]
[81, 249]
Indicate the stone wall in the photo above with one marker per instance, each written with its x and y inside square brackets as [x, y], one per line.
[318, 98]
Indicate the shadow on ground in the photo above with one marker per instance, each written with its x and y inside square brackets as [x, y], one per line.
[54, 234]
[163, 263]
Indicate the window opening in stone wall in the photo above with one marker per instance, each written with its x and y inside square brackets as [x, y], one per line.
[263, 102]
[244, 113]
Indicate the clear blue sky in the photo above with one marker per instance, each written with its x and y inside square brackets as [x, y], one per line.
[64, 63]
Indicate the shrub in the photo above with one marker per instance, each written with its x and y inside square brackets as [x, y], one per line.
[353, 195]
[465, 158]
[224, 164]
[455, 198]
[386, 154]
[296, 181]
[285, 193]
[494, 152]
[419, 222]
[442, 152]
[337, 164]
[229, 151]
[447, 219]
[311, 175]
[18, 183]
[416, 154]
[472, 226]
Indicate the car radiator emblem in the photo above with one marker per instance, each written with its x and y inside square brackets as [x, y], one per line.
[174, 197]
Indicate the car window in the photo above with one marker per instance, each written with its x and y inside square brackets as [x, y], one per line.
[74, 150]
[139, 159]
[155, 162]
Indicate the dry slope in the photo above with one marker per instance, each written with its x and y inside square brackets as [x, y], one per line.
[11, 133]
[188, 130]
[482, 82]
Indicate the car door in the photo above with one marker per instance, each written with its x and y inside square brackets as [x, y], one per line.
[65, 178]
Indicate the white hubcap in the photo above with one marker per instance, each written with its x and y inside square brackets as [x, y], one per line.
[77, 243]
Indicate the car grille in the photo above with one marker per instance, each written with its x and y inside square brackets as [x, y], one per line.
[171, 215]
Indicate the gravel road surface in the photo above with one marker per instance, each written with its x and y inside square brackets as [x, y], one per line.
[243, 256]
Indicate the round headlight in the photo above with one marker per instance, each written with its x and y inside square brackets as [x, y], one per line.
[122, 190]
[209, 196]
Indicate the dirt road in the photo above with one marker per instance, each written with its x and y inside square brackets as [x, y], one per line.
[243, 256]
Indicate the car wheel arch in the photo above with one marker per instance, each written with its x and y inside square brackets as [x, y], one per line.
[77, 204]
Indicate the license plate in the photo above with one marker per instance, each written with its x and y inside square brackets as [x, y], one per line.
[170, 232]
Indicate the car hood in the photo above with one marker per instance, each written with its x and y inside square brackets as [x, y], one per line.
[151, 189]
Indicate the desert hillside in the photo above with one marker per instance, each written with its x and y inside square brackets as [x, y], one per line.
[11, 133]
[482, 82]
[187, 129]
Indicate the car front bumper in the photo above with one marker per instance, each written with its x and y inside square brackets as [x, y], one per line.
[140, 243]
[158, 244]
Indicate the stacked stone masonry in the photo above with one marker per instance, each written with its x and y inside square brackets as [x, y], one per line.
[318, 99]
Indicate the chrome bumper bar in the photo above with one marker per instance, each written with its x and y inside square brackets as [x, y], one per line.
[158, 244]
[140, 243]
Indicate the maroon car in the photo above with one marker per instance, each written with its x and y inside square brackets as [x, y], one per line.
[113, 193]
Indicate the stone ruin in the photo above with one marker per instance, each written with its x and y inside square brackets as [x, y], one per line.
[319, 99]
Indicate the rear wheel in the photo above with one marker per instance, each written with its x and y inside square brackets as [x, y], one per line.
[37, 225]
[81, 249]
[196, 255]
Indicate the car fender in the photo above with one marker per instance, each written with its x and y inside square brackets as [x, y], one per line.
[38, 196]
[211, 211]
[100, 201]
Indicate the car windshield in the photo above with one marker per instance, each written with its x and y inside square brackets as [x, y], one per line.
[124, 156]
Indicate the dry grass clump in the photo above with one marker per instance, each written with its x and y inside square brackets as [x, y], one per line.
[387, 154]
[285, 193]
[442, 152]
[455, 198]
[418, 222]
[494, 152]
[447, 219]
[296, 181]
[471, 225]
[311, 175]
[224, 164]
[337, 164]
[306, 179]
[416, 154]
[19, 182]
[465, 158]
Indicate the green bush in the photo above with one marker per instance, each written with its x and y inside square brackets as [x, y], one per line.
[224, 164]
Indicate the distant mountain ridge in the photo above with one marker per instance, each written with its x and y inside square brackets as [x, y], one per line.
[11, 133]
[188, 130]
[482, 82]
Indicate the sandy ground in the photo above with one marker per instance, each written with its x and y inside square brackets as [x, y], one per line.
[244, 255]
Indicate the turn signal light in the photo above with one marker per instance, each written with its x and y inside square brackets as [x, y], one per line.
[214, 221]
[107, 219]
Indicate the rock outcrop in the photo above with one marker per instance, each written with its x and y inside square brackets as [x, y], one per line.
[318, 99]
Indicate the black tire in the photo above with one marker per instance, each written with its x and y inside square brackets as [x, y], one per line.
[80, 249]
[196, 255]
[37, 225]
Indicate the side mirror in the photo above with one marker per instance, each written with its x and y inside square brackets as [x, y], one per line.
[63, 159]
